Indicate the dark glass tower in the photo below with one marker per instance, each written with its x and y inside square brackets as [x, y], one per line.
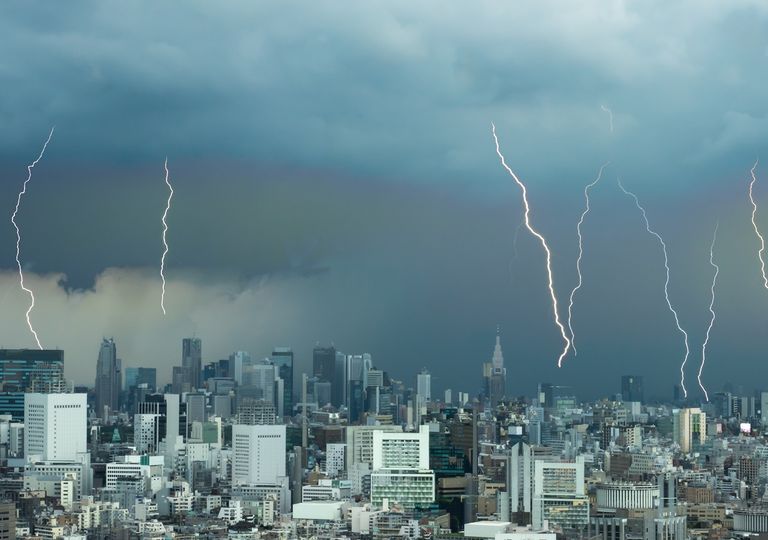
[28, 370]
[282, 358]
[192, 359]
[632, 388]
[108, 377]
[324, 363]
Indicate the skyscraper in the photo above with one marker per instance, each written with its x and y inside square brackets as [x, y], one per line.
[28, 370]
[134, 376]
[192, 358]
[282, 357]
[181, 377]
[324, 363]
[424, 385]
[497, 385]
[632, 388]
[108, 377]
[260, 378]
[237, 362]
[340, 374]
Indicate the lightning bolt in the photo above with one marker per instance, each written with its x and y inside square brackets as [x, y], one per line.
[711, 310]
[666, 283]
[754, 225]
[544, 245]
[165, 231]
[581, 252]
[18, 238]
[610, 116]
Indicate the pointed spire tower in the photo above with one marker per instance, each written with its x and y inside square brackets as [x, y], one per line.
[496, 383]
[498, 357]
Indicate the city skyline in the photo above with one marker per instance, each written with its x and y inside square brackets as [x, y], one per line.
[284, 269]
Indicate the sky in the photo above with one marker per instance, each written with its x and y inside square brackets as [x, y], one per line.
[336, 181]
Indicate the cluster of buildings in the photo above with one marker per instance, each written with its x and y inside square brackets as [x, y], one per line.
[245, 448]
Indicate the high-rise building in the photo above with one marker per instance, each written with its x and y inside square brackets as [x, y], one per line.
[340, 381]
[135, 376]
[356, 399]
[335, 454]
[690, 428]
[282, 358]
[324, 363]
[261, 379]
[558, 494]
[108, 377]
[544, 395]
[197, 405]
[519, 480]
[360, 443]
[497, 375]
[253, 412]
[632, 388]
[28, 370]
[192, 358]
[258, 454]
[401, 472]
[181, 379]
[146, 432]
[238, 361]
[424, 385]
[172, 417]
[55, 426]
[139, 381]
[553, 398]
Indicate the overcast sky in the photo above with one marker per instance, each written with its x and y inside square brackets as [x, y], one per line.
[336, 181]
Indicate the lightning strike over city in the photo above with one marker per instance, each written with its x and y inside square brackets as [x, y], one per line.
[711, 311]
[666, 282]
[165, 231]
[760, 251]
[18, 240]
[354, 339]
[581, 253]
[542, 240]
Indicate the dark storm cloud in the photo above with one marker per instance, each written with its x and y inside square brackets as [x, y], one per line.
[335, 160]
[391, 87]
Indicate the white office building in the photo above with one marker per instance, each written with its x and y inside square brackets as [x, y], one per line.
[79, 472]
[55, 426]
[258, 453]
[146, 432]
[335, 454]
[558, 494]
[401, 471]
[360, 443]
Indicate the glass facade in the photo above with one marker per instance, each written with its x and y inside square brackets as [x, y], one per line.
[282, 358]
[28, 370]
[409, 489]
